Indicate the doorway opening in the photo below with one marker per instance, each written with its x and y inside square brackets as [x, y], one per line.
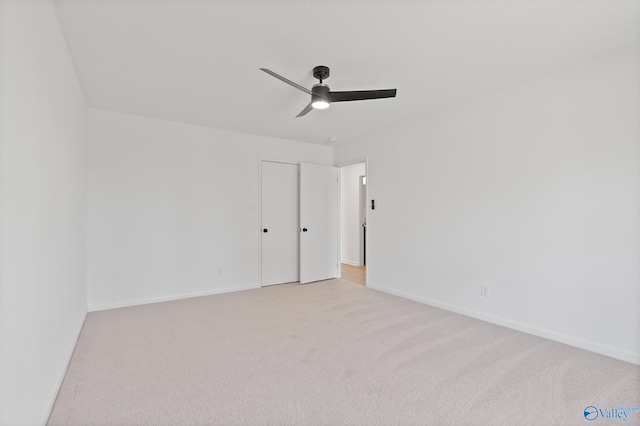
[353, 222]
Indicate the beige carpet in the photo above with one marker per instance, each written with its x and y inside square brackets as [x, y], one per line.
[328, 353]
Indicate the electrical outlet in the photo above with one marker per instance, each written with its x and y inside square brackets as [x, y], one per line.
[484, 290]
[219, 272]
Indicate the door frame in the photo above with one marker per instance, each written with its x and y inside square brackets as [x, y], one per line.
[340, 165]
[362, 211]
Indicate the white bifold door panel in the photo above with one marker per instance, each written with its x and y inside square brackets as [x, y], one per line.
[280, 225]
[318, 222]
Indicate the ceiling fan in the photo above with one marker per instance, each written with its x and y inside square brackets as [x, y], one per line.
[322, 96]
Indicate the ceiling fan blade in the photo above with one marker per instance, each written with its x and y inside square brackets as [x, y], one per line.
[361, 95]
[305, 110]
[286, 80]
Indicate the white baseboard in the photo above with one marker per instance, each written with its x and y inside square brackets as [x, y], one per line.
[136, 302]
[63, 373]
[588, 345]
[349, 262]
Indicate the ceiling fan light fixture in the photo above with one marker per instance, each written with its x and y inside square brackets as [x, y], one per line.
[320, 96]
[320, 104]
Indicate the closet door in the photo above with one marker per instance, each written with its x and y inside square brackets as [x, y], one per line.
[318, 222]
[280, 225]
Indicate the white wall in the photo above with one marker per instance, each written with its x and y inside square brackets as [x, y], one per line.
[170, 204]
[43, 175]
[350, 225]
[533, 190]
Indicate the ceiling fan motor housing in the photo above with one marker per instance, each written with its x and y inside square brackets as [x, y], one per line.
[320, 92]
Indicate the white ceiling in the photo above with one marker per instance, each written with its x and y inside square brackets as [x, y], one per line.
[197, 61]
